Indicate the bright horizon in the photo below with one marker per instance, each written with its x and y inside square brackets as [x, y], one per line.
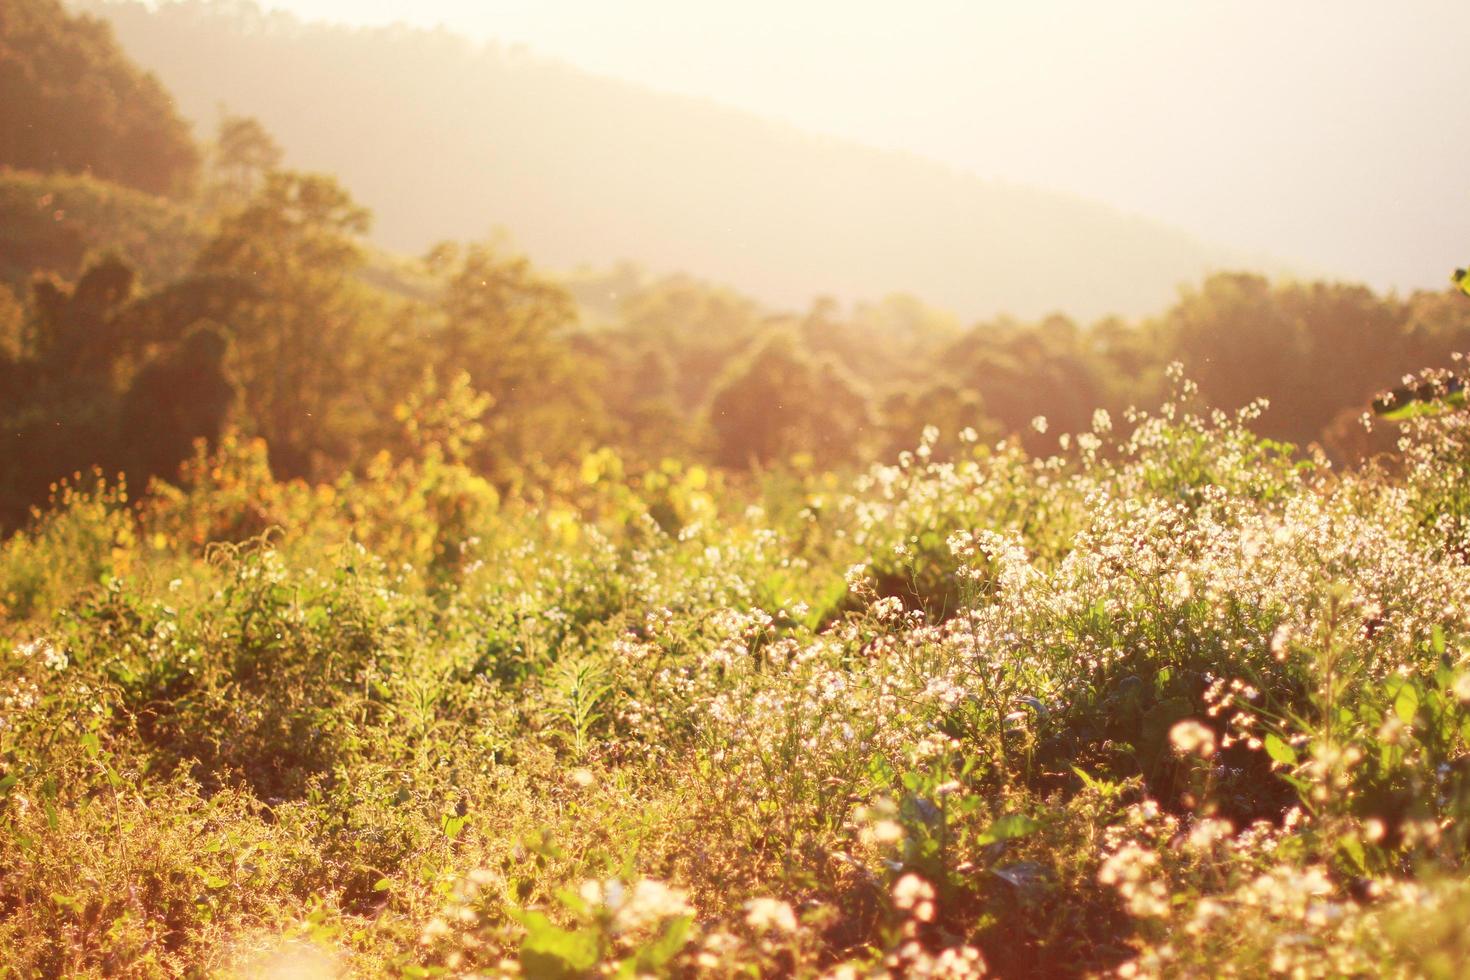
[1255, 126]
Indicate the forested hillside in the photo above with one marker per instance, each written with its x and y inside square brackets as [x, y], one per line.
[71, 101]
[585, 169]
[52, 223]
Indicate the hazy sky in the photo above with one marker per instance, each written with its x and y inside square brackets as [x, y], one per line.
[1334, 135]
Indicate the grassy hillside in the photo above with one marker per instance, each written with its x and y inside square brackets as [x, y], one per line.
[585, 169]
[1167, 703]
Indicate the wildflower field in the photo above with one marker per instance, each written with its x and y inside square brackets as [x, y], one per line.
[1173, 701]
[571, 490]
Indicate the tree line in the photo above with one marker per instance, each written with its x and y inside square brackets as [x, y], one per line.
[284, 323]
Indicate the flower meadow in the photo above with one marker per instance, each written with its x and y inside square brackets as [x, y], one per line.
[1174, 700]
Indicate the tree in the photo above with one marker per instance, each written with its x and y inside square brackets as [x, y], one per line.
[71, 337]
[304, 342]
[640, 396]
[71, 101]
[1021, 372]
[1238, 342]
[502, 319]
[12, 319]
[778, 402]
[506, 325]
[700, 326]
[100, 376]
[185, 393]
[244, 153]
[949, 407]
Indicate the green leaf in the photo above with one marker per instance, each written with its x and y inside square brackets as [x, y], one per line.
[1096, 784]
[557, 954]
[66, 902]
[1406, 705]
[382, 885]
[1278, 750]
[1436, 640]
[453, 826]
[1300, 785]
[652, 957]
[1009, 827]
[1354, 850]
[1408, 403]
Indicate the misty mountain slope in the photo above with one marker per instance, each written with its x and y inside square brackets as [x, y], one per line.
[446, 139]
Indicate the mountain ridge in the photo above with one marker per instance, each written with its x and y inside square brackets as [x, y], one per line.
[582, 169]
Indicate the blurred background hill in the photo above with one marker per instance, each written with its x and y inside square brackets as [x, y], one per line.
[444, 137]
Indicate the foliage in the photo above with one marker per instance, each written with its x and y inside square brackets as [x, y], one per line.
[503, 323]
[71, 101]
[59, 223]
[441, 618]
[296, 243]
[778, 403]
[1167, 702]
[104, 377]
[244, 152]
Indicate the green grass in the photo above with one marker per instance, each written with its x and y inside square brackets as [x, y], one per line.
[1175, 701]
